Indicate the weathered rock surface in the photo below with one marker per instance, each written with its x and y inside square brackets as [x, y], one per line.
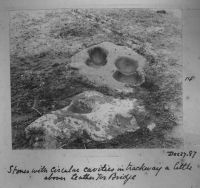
[106, 64]
[100, 117]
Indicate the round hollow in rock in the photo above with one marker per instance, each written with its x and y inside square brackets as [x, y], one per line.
[97, 57]
[133, 79]
[126, 65]
[80, 107]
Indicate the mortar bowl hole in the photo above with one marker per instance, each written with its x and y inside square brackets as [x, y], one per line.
[132, 80]
[80, 107]
[126, 65]
[97, 57]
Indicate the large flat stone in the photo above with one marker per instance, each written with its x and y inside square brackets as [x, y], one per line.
[117, 67]
[100, 117]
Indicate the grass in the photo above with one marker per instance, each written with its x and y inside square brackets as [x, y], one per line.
[42, 43]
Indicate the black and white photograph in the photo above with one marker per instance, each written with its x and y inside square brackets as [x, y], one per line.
[96, 78]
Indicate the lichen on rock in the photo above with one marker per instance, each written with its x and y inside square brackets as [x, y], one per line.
[101, 117]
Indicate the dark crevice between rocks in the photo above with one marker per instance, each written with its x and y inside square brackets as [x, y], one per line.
[87, 85]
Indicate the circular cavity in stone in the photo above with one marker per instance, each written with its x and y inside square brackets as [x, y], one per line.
[80, 106]
[97, 57]
[126, 65]
[133, 79]
[102, 74]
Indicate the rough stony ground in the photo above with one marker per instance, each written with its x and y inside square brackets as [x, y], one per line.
[42, 43]
[91, 116]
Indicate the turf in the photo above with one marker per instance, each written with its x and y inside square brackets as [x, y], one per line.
[42, 43]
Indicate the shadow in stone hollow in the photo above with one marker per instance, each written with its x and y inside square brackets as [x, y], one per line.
[80, 107]
[126, 65]
[98, 57]
[133, 79]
